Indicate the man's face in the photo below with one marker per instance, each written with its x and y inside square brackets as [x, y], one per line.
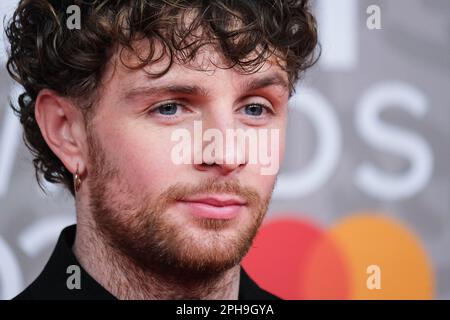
[198, 218]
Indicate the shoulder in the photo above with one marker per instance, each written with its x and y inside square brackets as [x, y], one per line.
[250, 290]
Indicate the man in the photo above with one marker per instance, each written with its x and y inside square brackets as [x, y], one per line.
[104, 107]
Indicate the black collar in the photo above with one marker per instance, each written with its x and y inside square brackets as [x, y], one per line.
[52, 282]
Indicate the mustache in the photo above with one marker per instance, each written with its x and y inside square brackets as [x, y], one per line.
[179, 191]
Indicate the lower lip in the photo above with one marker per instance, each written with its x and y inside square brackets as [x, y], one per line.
[204, 210]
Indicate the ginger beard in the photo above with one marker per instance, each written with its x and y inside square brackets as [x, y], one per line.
[148, 230]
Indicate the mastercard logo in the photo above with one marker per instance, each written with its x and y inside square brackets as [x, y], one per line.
[365, 256]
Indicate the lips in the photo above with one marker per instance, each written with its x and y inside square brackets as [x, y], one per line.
[217, 201]
[214, 206]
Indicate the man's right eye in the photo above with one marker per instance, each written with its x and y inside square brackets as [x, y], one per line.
[168, 109]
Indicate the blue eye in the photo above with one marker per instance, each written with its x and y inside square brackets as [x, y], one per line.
[255, 109]
[168, 109]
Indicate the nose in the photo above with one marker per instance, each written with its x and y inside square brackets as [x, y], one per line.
[222, 169]
[221, 152]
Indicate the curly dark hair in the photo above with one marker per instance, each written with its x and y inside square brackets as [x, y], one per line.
[45, 53]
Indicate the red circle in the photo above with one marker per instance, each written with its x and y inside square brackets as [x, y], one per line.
[295, 259]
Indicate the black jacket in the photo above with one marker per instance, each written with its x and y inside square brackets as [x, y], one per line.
[51, 284]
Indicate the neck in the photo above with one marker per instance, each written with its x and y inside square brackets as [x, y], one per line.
[125, 279]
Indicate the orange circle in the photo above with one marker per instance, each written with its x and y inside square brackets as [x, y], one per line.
[385, 260]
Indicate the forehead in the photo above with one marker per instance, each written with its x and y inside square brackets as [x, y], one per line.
[207, 61]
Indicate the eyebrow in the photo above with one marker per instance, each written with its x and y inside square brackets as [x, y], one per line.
[275, 79]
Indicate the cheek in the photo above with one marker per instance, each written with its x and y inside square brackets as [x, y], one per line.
[262, 183]
[142, 155]
[271, 151]
[281, 126]
[282, 145]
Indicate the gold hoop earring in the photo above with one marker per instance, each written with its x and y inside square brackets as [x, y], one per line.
[77, 180]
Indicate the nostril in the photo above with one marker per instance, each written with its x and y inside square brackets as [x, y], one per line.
[209, 162]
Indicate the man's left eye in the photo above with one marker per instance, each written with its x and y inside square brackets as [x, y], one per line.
[255, 109]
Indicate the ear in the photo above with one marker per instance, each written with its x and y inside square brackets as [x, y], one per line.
[62, 126]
